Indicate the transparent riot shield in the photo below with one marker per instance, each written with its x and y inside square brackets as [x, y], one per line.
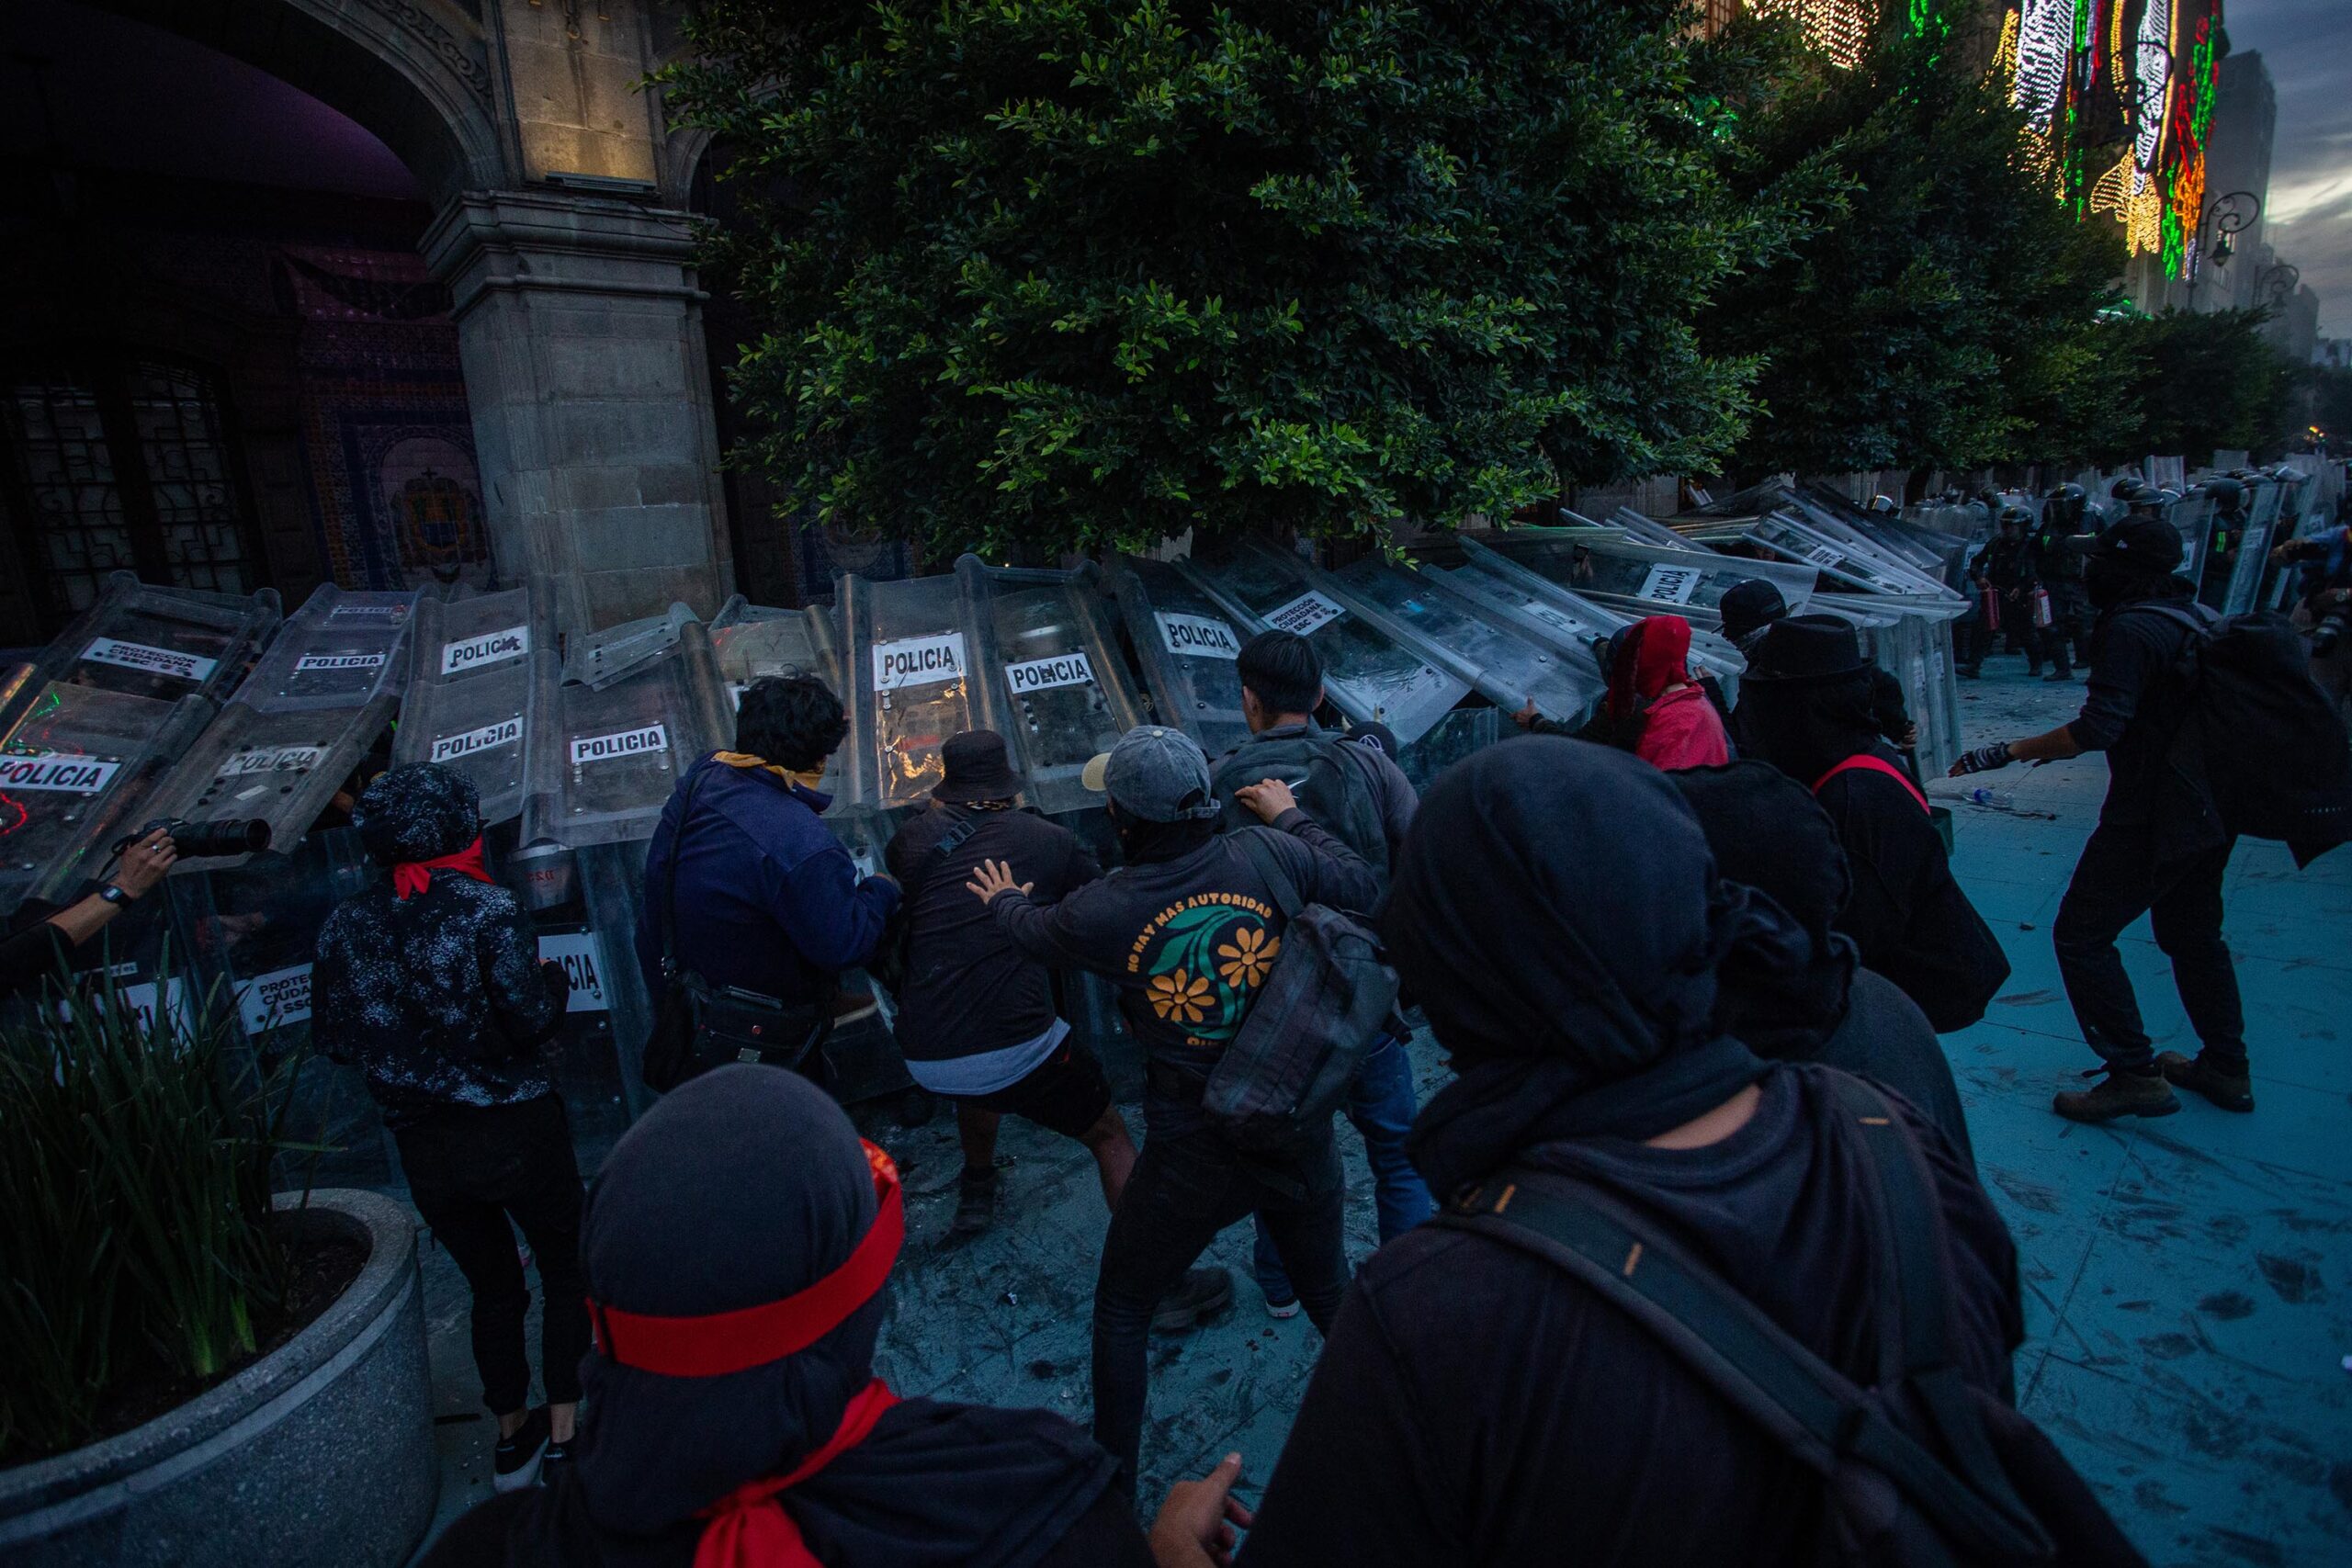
[908, 672]
[482, 689]
[1641, 579]
[1186, 644]
[79, 768]
[598, 1050]
[163, 643]
[1370, 675]
[1849, 561]
[618, 749]
[339, 650]
[1489, 653]
[281, 767]
[2251, 548]
[597, 659]
[753, 640]
[248, 935]
[1539, 610]
[1049, 675]
[2192, 515]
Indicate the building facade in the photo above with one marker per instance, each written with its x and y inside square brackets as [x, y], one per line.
[372, 291]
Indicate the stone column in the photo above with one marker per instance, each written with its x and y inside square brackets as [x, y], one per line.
[580, 327]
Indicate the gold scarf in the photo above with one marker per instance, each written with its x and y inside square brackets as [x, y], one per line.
[746, 760]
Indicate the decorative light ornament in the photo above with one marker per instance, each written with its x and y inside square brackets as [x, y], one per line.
[2045, 44]
[2126, 191]
[2004, 68]
[2153, 71]
[1838, 29]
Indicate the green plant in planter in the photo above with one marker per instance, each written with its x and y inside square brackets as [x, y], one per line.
[135, 1150]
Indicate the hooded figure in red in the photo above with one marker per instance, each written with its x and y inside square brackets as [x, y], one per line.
[1655, 707]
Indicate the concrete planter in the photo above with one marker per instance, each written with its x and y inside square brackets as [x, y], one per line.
[321, 1451]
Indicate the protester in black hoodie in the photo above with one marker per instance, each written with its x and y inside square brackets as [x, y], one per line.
[1806, 701]
[1767, 833]
[1557, 913]
[737, 1242]
[430, 983]
[1188, 930]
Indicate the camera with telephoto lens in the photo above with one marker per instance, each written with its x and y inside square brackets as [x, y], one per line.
[206, 840]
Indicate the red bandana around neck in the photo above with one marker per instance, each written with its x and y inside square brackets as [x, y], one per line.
[413, 876]
[749, 1528]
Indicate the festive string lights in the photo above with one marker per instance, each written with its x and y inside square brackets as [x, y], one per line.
[1838, 29]
[2045, 48]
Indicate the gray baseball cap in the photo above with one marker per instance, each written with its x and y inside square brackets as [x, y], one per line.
[1157, 774]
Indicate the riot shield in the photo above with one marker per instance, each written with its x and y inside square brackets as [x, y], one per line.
[1048, 674]
[1537, 610]
[1369, 674]
[1186, 646]
[2265, 501]
[618, 748]
[482, 687]
[908, 672]
[279, 767]
[162, 643]
[1640, 580]
[1489, 653]
[340, 650]
[79, 767]
[249, 934]
[1849, 561]
[753, 640]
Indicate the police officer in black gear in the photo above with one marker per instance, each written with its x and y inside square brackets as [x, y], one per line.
[2059, 570]
[2007, 569]
[2135, 700]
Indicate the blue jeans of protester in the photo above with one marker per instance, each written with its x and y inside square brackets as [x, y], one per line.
[1381, 1104]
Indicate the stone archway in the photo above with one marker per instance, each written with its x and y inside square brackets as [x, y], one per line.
[573, 283]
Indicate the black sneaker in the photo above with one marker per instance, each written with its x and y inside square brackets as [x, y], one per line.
[1203, 1294]
[2230, 1086]
[2056, 676]
[515, 1463]
[975, 1207]
[552, 1463]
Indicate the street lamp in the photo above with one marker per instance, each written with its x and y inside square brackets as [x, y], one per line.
[2276, 284]
[2225, 215]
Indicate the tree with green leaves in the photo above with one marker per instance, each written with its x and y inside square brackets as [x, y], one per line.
[1940, 317]
[1066, 274]
[2193, 381]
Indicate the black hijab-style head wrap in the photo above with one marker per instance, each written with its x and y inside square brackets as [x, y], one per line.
[1557, 913]
[1767, 833]
[743, 1188]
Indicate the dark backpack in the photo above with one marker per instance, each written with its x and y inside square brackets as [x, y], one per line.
[1309, 1027]
[1331, 779]
[1919, 1470]
[2260, 751]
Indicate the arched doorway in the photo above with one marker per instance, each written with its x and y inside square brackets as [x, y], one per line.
[490, 359]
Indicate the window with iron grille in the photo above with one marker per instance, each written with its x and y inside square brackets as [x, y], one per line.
[121, 463]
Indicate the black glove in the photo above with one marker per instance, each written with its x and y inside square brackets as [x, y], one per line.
[1983, 759]
[557, 982]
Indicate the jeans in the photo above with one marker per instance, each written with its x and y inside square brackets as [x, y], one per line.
[1381, 1104]
[2115, 882]
[471, 1168]
[1188, 1186]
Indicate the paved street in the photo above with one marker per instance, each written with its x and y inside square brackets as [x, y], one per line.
[2188, 1280]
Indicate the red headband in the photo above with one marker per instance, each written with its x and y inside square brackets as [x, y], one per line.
[415, 876]
[718, 1343]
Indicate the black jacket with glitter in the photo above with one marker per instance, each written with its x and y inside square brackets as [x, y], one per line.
[439, 998]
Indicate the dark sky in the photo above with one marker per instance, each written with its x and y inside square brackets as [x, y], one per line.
[2307, 44]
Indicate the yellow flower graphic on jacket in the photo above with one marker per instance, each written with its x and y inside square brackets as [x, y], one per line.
[1245, 961]
[1180, 998]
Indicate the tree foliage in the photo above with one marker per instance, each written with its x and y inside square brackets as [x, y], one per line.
[1939, 317]
[2188, 382]
[1081, 273]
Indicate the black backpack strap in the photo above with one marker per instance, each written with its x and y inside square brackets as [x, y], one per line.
[1911, 1254]
[962, 829]
[1808, 1407]
[1278, 880]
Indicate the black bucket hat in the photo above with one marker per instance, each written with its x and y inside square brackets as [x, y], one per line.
[1805, 647]
[977, 768]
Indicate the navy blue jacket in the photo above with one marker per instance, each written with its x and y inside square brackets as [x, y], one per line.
[767, 899]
